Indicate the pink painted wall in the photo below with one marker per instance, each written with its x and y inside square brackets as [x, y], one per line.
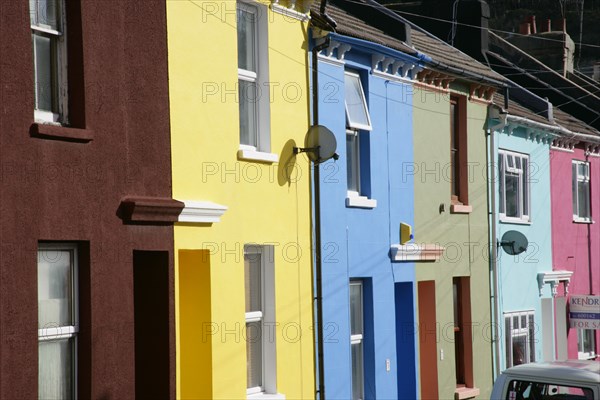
[574, 243]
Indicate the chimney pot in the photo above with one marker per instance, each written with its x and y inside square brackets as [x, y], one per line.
[549, 25]
[525, 28]
[531, 21]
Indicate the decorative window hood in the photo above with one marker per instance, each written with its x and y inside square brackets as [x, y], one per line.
[201, 212]
[149, 210]
[554, 278]
[416, 252]
[296, 9]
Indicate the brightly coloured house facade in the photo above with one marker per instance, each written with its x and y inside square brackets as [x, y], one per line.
[524, 306]
[450, 103]
[534, 143]
[86, 213]
[364, 98]
[243, 282]
[575, 193]
[455, 353]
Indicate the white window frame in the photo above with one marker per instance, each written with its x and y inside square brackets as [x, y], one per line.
[503, 168]
[267, 318]
[358, 339]
[527, 331]
[66, 331]
[579, 179]
[354, 135]
[59, 71]
[261, 149]
[354, 196]
[349, 122]
[583, 353]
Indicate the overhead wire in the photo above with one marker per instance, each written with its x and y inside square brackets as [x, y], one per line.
[375, 94]
[473, 26]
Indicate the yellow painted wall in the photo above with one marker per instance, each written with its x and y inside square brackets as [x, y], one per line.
[264, 205]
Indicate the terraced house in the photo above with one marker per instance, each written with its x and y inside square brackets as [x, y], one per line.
[451, 100]
[243, 287]
[85, 201]
[368, 308]
[521, 135]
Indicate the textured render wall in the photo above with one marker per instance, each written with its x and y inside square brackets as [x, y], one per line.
[58, 190]
[519, 290]
[570, 246]
[357, 241]
[464, 235]
[263, 206]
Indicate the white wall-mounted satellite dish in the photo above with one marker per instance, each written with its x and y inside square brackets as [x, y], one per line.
[319, 144]
[514, 242]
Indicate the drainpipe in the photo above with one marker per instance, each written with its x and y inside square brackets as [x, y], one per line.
[318, 264]
[492, 235]
[323, 12]
[589, 229]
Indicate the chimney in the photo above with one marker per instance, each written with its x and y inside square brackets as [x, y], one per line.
[525, 28]
[472, 35]
[596, 75]
[531, 21]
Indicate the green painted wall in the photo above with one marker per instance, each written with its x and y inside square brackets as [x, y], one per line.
[465, 236]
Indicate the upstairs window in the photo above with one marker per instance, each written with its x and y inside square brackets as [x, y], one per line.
[48, 34]
[357, 112]
[581, 190]
[514, 186]
[253, 73]
[459, 176]
[358, 122]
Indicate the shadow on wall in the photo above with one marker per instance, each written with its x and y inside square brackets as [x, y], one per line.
[288, 171]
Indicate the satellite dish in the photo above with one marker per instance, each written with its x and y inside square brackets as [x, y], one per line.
[514, 242]
[319, 144]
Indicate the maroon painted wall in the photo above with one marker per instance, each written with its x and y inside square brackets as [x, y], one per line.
[54, 189]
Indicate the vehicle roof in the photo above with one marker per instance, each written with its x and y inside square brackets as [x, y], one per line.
[572, 370]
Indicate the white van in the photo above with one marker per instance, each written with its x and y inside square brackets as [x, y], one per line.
[558, 380]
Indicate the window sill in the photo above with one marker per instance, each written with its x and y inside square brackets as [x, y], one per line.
[266, 396]
[465, 393]
[514, 221]
[582, 221]
[416, 252]
[460, 209]
[586, 356]
[360, 202]
[59, 132]
[253, 155]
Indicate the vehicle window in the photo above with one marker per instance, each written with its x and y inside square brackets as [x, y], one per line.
[526, 390]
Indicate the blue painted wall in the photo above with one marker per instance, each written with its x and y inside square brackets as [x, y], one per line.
[518, 285]
[356, 242]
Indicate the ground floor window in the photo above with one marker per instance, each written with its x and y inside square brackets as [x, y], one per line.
[520, 337]
[58, 321]
[586, 344]
[259, 284]
[357, 338]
